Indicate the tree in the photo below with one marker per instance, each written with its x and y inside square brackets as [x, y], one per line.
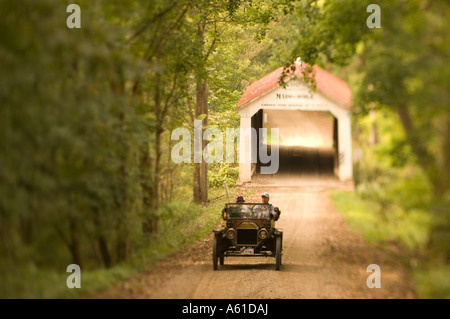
[67, 104]
[213, 20]
[401, 64]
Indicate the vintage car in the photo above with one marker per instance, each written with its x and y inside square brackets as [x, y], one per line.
[249, 232]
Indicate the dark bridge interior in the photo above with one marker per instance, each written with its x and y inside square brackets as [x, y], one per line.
[308, 141]
[306, 161]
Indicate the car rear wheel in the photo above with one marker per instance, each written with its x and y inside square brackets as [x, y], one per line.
[215, 253]
[278, 252]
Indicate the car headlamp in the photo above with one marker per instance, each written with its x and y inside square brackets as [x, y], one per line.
[230, 234]
[263, 234]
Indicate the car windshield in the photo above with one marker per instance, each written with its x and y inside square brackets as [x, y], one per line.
[247, 210]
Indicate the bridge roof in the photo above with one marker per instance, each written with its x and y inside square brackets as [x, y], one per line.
[326, 83]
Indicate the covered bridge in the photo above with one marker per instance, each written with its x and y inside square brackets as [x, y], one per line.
[314, 127]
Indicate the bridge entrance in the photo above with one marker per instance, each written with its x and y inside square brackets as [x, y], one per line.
[307, 143]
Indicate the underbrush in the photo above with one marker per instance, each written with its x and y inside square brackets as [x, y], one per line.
[400, 210]
[409, 228]
[181, 222]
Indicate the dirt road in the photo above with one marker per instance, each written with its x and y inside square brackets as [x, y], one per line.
[322, 258]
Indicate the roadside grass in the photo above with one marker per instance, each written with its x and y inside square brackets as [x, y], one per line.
[408, 227]
[377, 224]
[181, 222]
[433, 281]
[30, 282]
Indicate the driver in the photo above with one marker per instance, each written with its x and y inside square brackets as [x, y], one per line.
[262, 208]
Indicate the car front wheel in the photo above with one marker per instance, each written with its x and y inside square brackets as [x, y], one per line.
[278, 246]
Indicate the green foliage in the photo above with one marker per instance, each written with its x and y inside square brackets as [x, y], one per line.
[376, 223]
[401, 76]
[182, 222]
[218, 173]
[394, 201]
[68, 136]
[223, 172]
[433, 282]
[411, 227]
[400, 65]
[388, 169]
[440, 237]
[86, 117]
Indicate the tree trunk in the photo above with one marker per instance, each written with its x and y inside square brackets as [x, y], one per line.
[418, 145]
[201, 107]
[101, 241]
[148, 224]
[158, 132]
[74, 245]
[26, 229]
[444, 165]
[201, 169]
[122, 233]
[104, 251]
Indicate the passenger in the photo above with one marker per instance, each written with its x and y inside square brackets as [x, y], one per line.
[245, 209]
